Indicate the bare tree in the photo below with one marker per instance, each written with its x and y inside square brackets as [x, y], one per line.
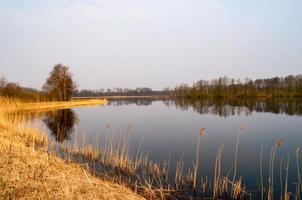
[60, 85]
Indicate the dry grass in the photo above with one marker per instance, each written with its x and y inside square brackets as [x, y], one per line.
[13, 105]
[28, 171]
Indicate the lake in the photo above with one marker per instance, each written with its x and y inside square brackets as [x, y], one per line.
[168, 130]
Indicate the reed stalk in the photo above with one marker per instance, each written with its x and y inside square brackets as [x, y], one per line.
[217, 172]
[281, 177]
[261, 173]
[297, 195]
[286, 193]
[196, 164]
[278, 143]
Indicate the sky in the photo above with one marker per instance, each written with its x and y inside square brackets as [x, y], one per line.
[153, 43]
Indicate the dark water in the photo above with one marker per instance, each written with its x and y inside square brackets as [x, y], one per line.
[168, 129]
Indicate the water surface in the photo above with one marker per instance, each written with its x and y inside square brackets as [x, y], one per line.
[169, 129]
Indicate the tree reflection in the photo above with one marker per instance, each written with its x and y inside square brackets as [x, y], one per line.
[61, 123]
[138, 102]
[229, 107]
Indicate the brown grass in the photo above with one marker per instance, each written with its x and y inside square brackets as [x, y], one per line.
[28, 171]
[16, 105]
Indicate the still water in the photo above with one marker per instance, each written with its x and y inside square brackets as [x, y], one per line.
[169, 129]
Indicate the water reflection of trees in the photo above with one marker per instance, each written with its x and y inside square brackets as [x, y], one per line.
[225, 108]
[61, 123]
[138, 102]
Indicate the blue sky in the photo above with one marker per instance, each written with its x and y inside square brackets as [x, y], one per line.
[131, 43]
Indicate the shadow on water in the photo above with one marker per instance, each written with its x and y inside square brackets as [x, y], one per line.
[61, 123]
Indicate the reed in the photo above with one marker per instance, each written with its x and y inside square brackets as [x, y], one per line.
[204, 184]
[217, 173]
[120, 165]
[281, 177]
[29, 171]
[286, 192]
[155, 175]
[196, 164]
[179, 172]
[261, 173]
[238, 190]
[278, 143]
[297, 195]
[235, 158]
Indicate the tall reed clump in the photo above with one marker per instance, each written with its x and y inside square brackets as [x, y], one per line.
[121, 164]
[234, 182]
[261, 173]
[196, 164]
[278, 143]
[298, 189]
[281, 177]
[116, 152]
[217, 173]
[286, 192]
[242, 127]
[178, 178]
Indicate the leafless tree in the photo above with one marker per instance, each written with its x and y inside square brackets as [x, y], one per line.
[60, 86]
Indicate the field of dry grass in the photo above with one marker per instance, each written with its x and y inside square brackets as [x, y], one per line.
[8, 105]
[29, 171]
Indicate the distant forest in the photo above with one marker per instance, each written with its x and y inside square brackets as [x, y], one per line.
[140, 91]
[289, 86]
[224, 87]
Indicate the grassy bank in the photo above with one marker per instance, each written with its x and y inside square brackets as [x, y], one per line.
[28, 170]
[8, 105]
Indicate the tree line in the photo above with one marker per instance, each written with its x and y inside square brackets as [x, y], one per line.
[289, 86]
[60, 86]
[11, 89]
[140, 91]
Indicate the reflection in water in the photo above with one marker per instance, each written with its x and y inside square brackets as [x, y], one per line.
[138, 102]
[61, 123]
[225, 108]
